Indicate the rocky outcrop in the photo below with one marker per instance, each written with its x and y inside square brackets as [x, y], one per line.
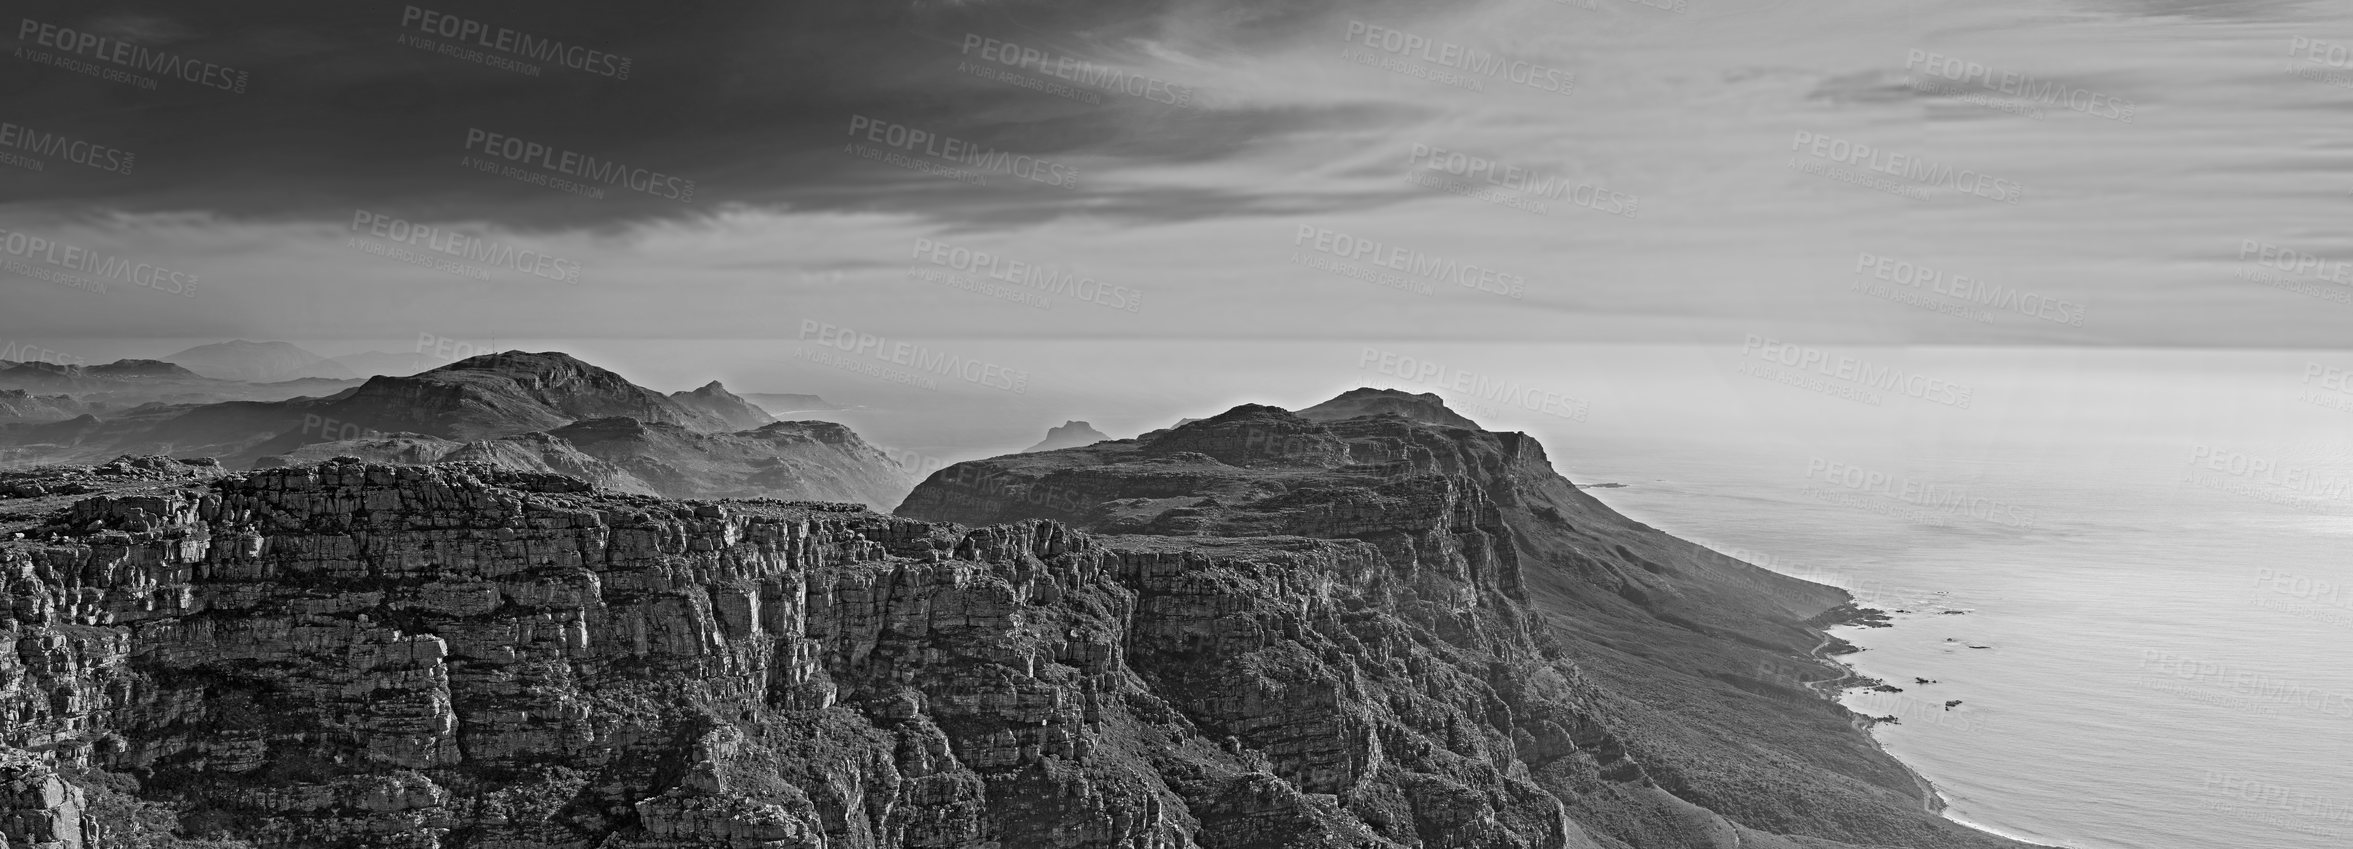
[715, 401]
[40, 809]
[1071, 434]
[370, 655]
[1687, 726]
[1253, 631]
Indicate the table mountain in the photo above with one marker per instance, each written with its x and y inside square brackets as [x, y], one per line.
[1071, 434]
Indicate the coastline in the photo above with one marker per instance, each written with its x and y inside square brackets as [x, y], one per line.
[1827, 652]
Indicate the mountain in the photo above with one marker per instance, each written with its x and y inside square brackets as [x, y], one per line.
[1071, 434]
[1372, 635]
[544, 412]
[814, 461]
[1490, 657]
[723, 405]
[785, 403]
[259, 362]
[17, 405]
[481, 397]
[42, 376]
[1424, 407]
[130, 383]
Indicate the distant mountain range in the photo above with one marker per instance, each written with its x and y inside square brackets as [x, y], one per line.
[530, 411]
[259, 362]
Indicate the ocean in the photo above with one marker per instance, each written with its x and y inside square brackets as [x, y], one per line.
[2148, 629]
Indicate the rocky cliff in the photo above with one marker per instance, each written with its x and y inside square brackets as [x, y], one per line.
[1355, 644]
[1690, 667]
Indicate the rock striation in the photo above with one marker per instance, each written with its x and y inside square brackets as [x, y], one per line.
[1250, 632]
[1693, 720]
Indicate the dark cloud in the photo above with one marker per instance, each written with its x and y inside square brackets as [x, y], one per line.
[751, 103]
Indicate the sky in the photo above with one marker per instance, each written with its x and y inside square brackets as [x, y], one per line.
[1171, 195]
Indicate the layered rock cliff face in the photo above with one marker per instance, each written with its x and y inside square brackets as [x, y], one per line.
[1695, 727]
[1352, 642]
[374, 655]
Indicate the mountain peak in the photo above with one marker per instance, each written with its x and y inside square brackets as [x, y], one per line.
[523, 362]
[1424, 407]
[1072, 434]
[712, 398]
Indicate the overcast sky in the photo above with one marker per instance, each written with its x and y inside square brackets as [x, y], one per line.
[1679, 135]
